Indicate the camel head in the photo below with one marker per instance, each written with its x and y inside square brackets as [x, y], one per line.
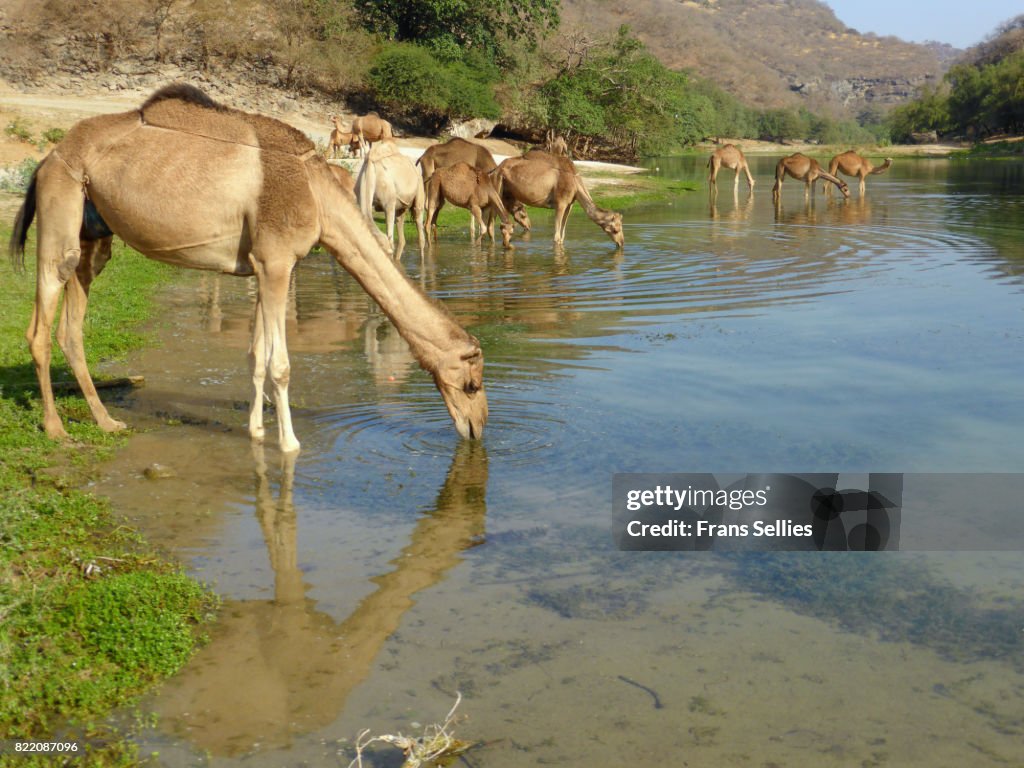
[611, 223]
[507, 230]
[522, 218]
[459, 377]
[844, 188]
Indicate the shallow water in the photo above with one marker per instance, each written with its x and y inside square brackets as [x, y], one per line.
[392, 566]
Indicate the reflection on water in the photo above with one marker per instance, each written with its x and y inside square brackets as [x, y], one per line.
[280, 667]
[873, 334]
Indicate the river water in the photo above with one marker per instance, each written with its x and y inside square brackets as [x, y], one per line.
[392, 566]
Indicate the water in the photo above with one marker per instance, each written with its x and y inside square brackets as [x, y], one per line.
[392, 566]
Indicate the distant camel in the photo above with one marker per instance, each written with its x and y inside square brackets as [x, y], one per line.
[389, 182]
[340, 137]
[555, 144]
[807, 170]
[370, 129]
[730, 157]
[467, 187]
[852, 164]
[460, 150]
[230, 192]
[543, 180]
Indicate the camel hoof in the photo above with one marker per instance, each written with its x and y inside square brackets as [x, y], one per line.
[257, 434]
[57, 433]
[290, 446]
[112, 425]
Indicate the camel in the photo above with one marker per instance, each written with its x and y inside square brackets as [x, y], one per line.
[804, 169]
[555, 144]
[459, 150]
[389, 182]
[852, 164]
[543, 180]
[731, 157]
[340, 137]
[467, 187]
[190, 182]
[370, 129]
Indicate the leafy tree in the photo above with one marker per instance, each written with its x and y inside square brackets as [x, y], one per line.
[411, 81]
[455, 25]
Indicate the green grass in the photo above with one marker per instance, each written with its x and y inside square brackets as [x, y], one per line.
[90, 616]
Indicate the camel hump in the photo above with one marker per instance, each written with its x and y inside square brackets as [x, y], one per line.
[185, 108]
[183, 92]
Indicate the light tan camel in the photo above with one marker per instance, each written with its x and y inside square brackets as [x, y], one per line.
[467, 187]
[340, 138]
[555, 144]
[388, 181]
[852, 164]
[543, 180]
[370, 129]
[731, 157]
[189, 182]
[807, 170]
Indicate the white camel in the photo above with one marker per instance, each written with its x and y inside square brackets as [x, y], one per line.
[389, 181]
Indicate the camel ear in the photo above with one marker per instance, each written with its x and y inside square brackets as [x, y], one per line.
[471, 353]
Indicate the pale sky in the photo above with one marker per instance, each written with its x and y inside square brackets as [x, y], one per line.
[959, 23]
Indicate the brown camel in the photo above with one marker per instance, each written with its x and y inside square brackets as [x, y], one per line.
[852, 164]
[460, 150]
[344, 177]
[187, 181]
[731, 157]
[370, 129]
[388, 182]
[340, 137]
[543, 180]
[467, 187]
[807, 170]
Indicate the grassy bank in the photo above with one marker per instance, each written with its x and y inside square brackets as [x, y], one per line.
[90, 616]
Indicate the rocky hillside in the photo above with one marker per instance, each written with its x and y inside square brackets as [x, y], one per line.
[770, 53]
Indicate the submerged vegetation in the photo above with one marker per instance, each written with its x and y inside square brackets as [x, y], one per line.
[90, 616]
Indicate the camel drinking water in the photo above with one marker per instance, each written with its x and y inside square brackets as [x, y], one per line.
[460, 150]
[852, 164]
[731, 157]
[543, 180]
[807, 170]
[467, 187]
[187, 181]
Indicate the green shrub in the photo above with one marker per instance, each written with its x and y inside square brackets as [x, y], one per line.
[17, 129]
[54, 135]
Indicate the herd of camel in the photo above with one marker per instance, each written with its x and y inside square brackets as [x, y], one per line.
[191, 182]
[799, 167]
[465, 174]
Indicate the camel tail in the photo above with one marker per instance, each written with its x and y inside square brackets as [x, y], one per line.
[19, 235]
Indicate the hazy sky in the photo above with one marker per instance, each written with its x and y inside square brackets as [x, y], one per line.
[956, 22]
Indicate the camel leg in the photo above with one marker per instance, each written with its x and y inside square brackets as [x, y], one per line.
[421, 235]
[258, 368]
[273, 276]
[750, 178]
[561, 219]
[59, 250]
[95, 255]
[477, 216]
[736, 183]
[862, 185]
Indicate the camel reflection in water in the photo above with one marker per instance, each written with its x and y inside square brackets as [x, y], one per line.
[279, 668]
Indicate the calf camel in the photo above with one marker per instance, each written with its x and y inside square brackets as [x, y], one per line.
[852, 164]
[189, 182]
[467, 187]
[341, 137]
[731, 157]
[389, 182]
[459, 150]
[370, 129]
[543, 180]
[804, 169]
